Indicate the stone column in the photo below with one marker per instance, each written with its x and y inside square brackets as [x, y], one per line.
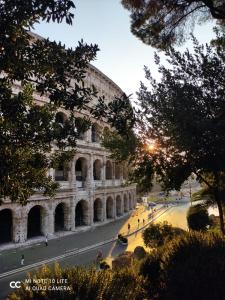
[104, 208]
[90, 180]
[104, 171]
[91, 209]
[48, 220]
[71, 213]
[89, 135]
[113, 173]
[19, 234]
[114, 206]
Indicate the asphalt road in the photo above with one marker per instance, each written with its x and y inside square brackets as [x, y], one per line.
[10, 260]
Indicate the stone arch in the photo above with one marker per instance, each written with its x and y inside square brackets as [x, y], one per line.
[81, 169]
[61, 173]
[130, 202]
[117, 171]
[82, 213]
[80, 129]
[98, 210]
[118, 206]
[108, 170]
[36, 221]
[109, 208]
[125, 203]
[97, 169]
[6, 225]
[95, 133]
[59, 220]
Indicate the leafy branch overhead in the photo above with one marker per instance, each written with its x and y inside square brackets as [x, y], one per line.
[161, 23]
[32, 137]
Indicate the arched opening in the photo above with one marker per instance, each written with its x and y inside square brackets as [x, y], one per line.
[109, 208]
[95, 133]
[6, 225]
[118, 206]
[81, 128]
[81, 170]
[130, 202]
[98, 210]
[97, 168]
[34, 221]
[60, 118]
[59, 217]
[61, 173]
[81, 213]
[108, 170]
[125, 203]
[117, 171]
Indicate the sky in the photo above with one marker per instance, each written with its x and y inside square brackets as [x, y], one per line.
[122, 56]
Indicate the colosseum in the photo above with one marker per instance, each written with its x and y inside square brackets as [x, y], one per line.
[92, 189]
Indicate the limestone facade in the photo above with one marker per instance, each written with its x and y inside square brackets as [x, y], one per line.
[92, 190]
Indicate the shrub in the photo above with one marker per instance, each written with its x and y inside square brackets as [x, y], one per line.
[198, 218]
[158, 234]
[191, 266]
[86, 284]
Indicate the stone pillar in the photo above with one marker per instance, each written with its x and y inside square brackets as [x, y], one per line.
[114, 206]
[71, 174]
[103, 171]
[89, 135]
[71, 215]
[48, 220]
[19, 234]
[91, 209]
[113, 173]
[90, 180]
[104, 208]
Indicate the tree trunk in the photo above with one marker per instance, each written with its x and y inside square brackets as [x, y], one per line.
[220, 208]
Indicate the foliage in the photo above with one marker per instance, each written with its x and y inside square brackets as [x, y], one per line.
[189, 267]
[161, 23]
[184, 115]
[85, 284]
[32, 66]
[198, 217]
[158, 234]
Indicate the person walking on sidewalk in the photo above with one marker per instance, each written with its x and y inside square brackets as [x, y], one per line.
[46, 240]
[22, 260]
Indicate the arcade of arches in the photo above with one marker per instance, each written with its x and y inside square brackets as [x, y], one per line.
[41, 219]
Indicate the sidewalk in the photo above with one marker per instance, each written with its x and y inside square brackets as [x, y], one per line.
[10, 260]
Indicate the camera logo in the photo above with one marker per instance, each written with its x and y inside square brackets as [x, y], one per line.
[15, 284]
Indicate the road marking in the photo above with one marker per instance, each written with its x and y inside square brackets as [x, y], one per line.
[74, 251]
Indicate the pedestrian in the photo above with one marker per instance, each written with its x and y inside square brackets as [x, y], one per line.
[99, 257]
[22, 260]
[46, 240]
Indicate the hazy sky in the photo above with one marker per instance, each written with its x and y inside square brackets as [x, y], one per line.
[106, 23]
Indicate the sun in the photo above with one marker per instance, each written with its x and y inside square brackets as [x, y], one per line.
[151, 147]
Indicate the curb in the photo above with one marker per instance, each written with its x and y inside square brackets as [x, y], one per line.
[75, 251]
